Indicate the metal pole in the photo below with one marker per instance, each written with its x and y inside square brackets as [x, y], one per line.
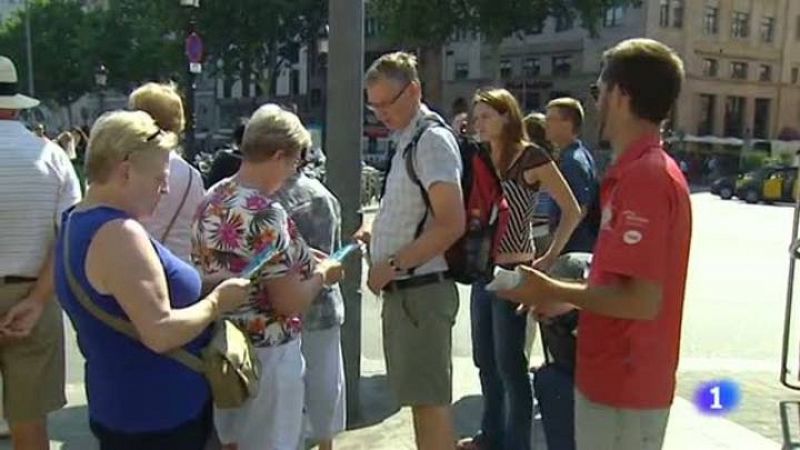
[29, 47]
[189, 147]
[343, 125]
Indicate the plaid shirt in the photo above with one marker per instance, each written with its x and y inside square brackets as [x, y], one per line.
[317, 215]
[437, 159]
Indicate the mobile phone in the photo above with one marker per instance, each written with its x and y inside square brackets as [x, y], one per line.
[345, 251]
[255, 264]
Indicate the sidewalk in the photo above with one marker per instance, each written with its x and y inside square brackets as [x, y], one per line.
[384, 427]
[687, 430]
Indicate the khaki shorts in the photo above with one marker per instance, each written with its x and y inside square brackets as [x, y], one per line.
[601, 427]
[32, 368]
[418, 342]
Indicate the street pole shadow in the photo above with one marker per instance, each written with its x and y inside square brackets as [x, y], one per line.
[70, 426]
[377, 402]
[790, 424]
[467, 415]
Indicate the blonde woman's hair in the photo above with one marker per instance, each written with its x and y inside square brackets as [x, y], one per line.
[163, 102]
[123, 135]
[400, 67]
[270, 129]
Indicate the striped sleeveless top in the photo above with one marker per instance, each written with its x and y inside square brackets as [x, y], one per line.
[522, 197]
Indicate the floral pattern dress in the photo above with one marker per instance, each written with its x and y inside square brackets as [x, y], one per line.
[233, 225]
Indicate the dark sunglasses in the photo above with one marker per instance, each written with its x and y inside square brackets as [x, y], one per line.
[154, 135]
[594, 91]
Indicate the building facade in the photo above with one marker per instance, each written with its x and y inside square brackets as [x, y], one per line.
[742, 61]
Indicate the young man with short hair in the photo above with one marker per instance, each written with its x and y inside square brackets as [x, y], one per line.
[630, 323]
[563, 124]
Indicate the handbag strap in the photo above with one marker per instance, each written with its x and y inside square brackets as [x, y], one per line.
[180, 207]
[118, 324]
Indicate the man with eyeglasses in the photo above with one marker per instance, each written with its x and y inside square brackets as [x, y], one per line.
[407, 244]
[632, 306]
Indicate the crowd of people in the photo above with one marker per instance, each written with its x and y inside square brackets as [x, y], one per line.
[151, 243]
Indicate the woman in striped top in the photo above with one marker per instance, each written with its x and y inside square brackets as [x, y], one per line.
[498, 332]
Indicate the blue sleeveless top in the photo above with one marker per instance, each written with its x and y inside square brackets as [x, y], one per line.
[129, 387]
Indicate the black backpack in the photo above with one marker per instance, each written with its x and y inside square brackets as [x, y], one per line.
[471, 258]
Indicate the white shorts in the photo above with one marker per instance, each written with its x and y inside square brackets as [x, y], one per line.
[325, 387]
[601, 427]
[274, 419]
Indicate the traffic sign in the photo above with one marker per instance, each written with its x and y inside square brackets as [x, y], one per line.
[194, 47]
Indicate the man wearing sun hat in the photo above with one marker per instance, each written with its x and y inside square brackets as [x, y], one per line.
[37, 183]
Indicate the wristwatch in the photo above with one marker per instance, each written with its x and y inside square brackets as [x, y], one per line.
[393, 264]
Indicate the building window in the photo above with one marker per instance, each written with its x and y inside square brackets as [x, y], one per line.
[370, 27]
[710, 67]
[316, 97]
[707, 107]
[795, 74]
[564, 22]
[765, 72]
[739, 70]
[734, 116]
[613, 16]
[663, 9]
[534, 29]
[533, 101]
[677, 13]
[531, 67]
[797, 28]
[740, 25]
[562, 65]
[462, 71]
[505, 68]
[761, 118]
[711, 20]
[768, 29]
[294, 82]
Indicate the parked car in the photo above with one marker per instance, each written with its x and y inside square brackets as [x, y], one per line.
[724, 186]
[768, 184]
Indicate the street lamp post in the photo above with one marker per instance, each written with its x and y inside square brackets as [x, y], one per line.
[194, 54]
[101, 80]
[29, 47]
[321, 66]
[344, 120]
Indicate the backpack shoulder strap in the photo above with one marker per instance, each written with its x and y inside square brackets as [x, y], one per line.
[409, 153]
[180, 207]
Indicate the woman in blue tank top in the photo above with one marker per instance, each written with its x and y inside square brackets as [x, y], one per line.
[138, 398]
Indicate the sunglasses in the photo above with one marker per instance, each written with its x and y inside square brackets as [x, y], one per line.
[594, 91]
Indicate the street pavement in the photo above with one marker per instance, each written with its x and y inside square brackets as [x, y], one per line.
[732, 329]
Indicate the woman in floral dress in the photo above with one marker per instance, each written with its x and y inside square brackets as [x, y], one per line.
[238, 219]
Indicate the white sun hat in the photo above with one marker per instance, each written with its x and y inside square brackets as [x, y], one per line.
[10, 98]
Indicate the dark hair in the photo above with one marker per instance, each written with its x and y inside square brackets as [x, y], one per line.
[534, 126]
[649, 72]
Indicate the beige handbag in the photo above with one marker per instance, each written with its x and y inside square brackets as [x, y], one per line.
[229, 362]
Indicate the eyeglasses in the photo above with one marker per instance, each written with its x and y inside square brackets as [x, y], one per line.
[390, 103]
[594, 91]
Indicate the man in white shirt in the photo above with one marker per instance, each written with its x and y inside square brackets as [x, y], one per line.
[37, 184]
[171, 222]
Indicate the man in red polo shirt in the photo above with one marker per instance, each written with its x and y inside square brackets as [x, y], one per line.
[630, 323]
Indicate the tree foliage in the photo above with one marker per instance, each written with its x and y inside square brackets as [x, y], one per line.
[62, 72]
